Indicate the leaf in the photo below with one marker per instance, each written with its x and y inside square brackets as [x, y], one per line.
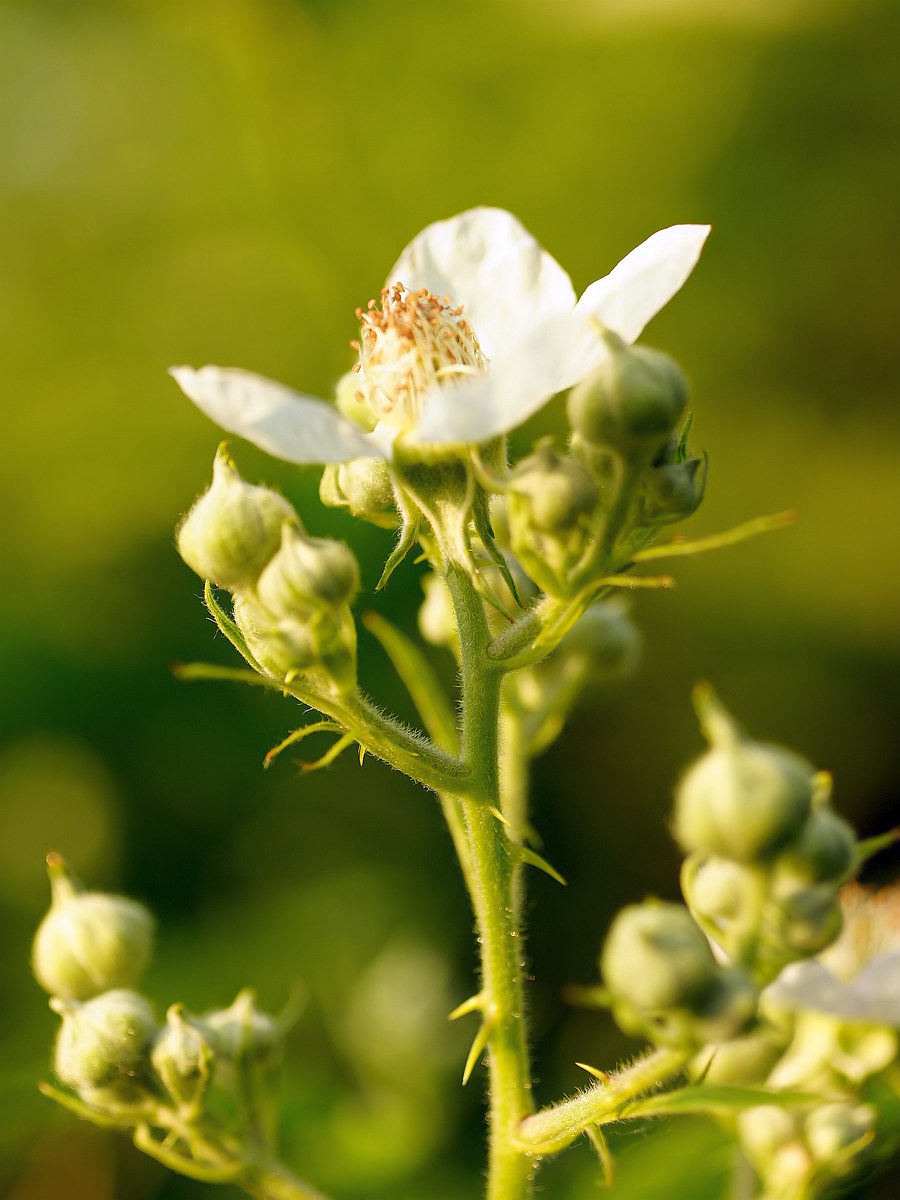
[417, 675]
[715, 1098]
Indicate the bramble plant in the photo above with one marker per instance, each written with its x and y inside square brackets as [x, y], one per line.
[756, 1008]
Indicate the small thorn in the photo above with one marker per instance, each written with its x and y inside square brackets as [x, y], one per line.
[524, 854]
[603, 1076]
[478, 1045]
[473, 1004]
[495, 812]
[362, 754]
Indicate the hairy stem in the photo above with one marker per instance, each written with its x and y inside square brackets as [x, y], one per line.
[490, 875]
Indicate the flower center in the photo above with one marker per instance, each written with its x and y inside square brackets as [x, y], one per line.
[412, 341]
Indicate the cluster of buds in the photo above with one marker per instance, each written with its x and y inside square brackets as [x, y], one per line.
[292, 592]
[213, 1075]
[578, 515]
[766, 853]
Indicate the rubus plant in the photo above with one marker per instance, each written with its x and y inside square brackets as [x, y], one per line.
[755, 1007]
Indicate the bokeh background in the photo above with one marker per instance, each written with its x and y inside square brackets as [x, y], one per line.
[225, 181]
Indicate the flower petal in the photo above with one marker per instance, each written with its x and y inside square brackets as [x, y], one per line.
[549, 358]
[289, 426]
[645, 280]
[487, 261]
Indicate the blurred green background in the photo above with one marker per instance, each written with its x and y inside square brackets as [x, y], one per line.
[225, 181]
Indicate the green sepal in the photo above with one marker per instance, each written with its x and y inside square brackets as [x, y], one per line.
[227, 626]
[212, 671]
[409, 531]
[298, 735]
[482, 522]
[715, 1099]
[600, 1144]
[420, 681]
[869, 847]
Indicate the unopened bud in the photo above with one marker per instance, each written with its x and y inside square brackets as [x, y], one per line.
[278, 646]
[102, 1045]
[608, 639]
[549, 493]
[437, 620]
[233, 529]
[243, 1033]
[807, 919]
[182, 1056]
[632, 401]
[743, 800]
[89, 942]
[823, 851]
[656, 957]
[721, 889]
[363, 486]
[307, 574]
[672, 491]
[727, 1008]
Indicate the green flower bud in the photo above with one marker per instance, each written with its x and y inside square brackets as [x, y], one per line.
[805, 920]
[742, 799]
[233, 529]
[242, 1032]
[89, 942]
[182, 1056]
[656, 957]
[102, 1045]
[632, 401]
[437, 620]
[278, 646]
[741, 1060]
[548, 493]
[607, 637]
[307, 574]
[835, 1132]
[823, 851]
[727, 1009]
[672, 491]
[721, 889]
[363, 486]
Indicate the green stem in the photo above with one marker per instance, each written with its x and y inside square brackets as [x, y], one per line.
[490, 875]
[269, 1179]
[554, 1128]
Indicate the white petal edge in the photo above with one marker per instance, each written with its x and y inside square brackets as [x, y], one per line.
[547, 359]
[487, 261]
[645, 280]
[284, 423]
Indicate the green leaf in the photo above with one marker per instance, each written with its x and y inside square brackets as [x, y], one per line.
[715, 1098]
[419, 678]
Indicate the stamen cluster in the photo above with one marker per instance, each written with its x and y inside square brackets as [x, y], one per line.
[409, 343]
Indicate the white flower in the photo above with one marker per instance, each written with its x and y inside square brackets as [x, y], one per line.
[478, 328]
[858, 977]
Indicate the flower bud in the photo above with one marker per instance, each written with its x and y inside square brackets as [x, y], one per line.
[363, 486]
[89, 942]
[437, 620]
[721, 889]
[743, 800]
[242, 1032]
[549, 493]
[834, 1132]
[727, 1008]
[822, 852]
[740, 1060]
[278, 646]
[182, 1056]
[632, 401]
[233, 529]
[672, 491]
[765, 1131]
[807, 919]
[307, 574]
[656, 957]
[102, 1044]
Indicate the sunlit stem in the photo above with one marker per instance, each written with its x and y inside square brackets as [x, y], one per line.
[554, 1128]
[490, 874]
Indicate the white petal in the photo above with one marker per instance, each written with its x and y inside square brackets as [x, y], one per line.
[285, 424]
[551, 357]
[809, 985]
[487, 261]
[645, 280]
